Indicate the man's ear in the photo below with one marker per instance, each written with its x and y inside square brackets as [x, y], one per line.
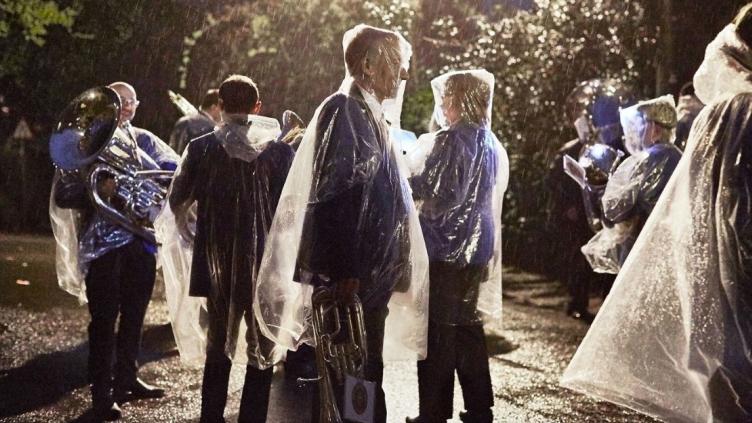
[256, 108]
[221, 105]
[368, 67]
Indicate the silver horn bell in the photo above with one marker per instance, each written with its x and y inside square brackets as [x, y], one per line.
[87, 139]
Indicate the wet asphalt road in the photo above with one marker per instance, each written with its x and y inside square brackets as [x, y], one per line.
[43, 350]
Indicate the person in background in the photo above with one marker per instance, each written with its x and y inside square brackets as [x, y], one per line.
[636, 185]
[193, 126]
[235, 176]
[688, 108]
[593, 108]
[460, 191]
[673, 339]
[349, 226]
[567, 221]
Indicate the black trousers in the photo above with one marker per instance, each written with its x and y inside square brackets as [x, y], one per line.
[373, 321]
[578, 275]
[461, 348]
[118, 283]
[254, 401]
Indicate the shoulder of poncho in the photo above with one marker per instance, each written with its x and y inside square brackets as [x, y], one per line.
[183, 121]
[739, 98]
[714, 109]
[340, 100]
[659, 152]
[204, 142]
[464, 137]
[277, 149]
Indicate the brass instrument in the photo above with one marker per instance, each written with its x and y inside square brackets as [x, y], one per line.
[87, 139]
[342, 352]
[599, 162]
[593, 106]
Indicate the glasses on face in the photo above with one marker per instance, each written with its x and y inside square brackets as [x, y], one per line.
[130, 102]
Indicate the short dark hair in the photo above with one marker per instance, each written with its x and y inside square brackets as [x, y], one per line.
[211, 98]
[743, 22]
[238, 94]
[367, 41]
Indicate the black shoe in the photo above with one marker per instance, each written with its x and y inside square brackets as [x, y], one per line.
[476, 417]
[106, 412]
[138, 390]
[585, 316]
[421, 419]
[499, 344]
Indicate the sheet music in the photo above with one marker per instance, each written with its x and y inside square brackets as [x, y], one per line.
[575, 171]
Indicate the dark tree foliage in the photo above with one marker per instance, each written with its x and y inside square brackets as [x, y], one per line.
[538, 50]
[90, 43]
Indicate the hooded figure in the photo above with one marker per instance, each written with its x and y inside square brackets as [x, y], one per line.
[346, 218]
[636, 185]
[459, 189]
[673, 338]
[593, 109]
[234, 176]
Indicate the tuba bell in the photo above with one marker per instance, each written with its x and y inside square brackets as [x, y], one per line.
[338, 352]
[88, 141]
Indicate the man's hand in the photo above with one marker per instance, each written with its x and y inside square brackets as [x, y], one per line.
[345, 290]
[107, 187]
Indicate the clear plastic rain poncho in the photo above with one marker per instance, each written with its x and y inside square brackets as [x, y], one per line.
[83, 233]
[212, 237]
[636, 185]
[346, 211]
[66, 227]
[673, 338]
[459, 188]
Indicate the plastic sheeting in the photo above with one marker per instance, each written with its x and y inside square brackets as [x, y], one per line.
[672, 338]
[459, 190]
[346, 211]
[725, 69]
[227, 188]
[79, 240]
[66, 224]
[630, 195]
[188, 314]
[637, 183]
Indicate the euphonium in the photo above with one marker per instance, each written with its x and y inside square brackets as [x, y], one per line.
[338, 351]
[599, 162]
[87, 139]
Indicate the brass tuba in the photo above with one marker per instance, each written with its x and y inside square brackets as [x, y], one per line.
[336, 351]
[87, 140]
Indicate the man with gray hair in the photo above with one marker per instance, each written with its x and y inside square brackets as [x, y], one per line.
[337, 243]
[346, 225]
